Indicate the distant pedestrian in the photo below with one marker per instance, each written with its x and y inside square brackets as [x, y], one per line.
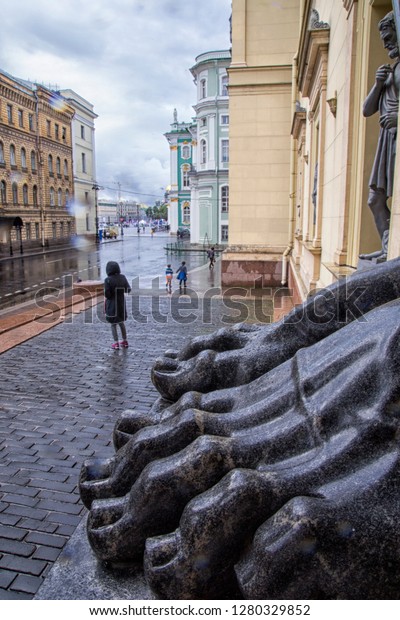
[115, 287]
[182, 276]
[211, 257]
[168, 278]
[138, 230]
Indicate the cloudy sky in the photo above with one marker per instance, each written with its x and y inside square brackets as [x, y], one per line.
[131, 60]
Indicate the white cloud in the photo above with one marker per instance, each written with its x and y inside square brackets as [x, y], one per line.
[130, 59]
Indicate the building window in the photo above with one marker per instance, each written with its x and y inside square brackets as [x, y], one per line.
[2, 153]
[203, 88]
[3, 192]
[224, 232]
[50, 164]
[69, 228]
[54, 229]
[25, 194]
[48, 128]
[87, 222]
[185, 151]
[203, 121]
[59, 197]
[225, 199]
[224, 119]
[58, 166]
[33, 161]
[35, 196]
[185, 175]
[65, 168]
[52, 196]
[203, 151]
[66, 198]
[9, 113]
[57, 131]
[30, 122]
[23, 158]
[13, 160]
[83, 162]
[37, 230]
[225, 151]
[20, 118]
[83, 132]
[28, 230]
[15, 193]
[224, 86]
[61, 229]
[186, 213]
[64, 133]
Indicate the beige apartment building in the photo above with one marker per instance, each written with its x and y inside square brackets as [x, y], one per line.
[301, 151]
[36, 177]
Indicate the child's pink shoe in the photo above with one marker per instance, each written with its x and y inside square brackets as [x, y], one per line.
[124, 344]
[115, 345]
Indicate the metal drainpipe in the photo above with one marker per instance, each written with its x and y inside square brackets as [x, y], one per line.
[292, 189]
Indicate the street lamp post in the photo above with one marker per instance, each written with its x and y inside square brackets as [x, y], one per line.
[96, 188]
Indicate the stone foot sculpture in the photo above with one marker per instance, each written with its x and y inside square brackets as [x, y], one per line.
[209, 486]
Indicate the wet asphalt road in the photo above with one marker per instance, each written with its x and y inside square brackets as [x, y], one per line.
[140, 256]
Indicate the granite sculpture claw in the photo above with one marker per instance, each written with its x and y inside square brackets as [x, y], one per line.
[278, 479]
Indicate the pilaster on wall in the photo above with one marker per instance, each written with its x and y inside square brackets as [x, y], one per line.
[239, 34]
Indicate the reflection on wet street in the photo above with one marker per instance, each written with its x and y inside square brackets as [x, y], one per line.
[21, 278]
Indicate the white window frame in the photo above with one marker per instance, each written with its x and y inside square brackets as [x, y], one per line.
[203, 88]
[203, 151]
[225, 151]
[224, 117]
[224, 85]
[224, 232]
[225, 199]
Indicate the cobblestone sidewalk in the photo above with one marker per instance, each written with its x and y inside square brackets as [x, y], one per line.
[61, 393]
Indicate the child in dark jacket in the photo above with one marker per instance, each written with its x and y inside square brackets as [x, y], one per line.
[115, 287]
[182, 275]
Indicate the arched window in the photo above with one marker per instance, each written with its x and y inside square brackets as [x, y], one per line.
[23, 158]
[35, 196]
[13, 160]
[203, 88]
[225, 199]
[185, 175]
[65, 168]
[2, 161]
[15, 193]
[33, 161]
[25, 194]
[58, 166]
[186, 213]
[59, 197]
[3, 192]
[66, 198]
[50, 164]
[185, 151]
[52, 196]
[203, 151]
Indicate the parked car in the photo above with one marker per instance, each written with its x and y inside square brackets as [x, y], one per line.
[182, 232]
[110, 232]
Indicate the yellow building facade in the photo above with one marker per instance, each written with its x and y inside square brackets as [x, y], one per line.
[301, 151]
[36, 172]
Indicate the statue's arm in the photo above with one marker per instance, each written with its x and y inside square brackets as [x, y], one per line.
[371, 103]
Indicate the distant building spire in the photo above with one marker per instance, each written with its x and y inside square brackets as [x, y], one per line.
[175, 116]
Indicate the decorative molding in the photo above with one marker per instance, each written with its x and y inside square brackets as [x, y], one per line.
[315, 23]
[332, 103]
